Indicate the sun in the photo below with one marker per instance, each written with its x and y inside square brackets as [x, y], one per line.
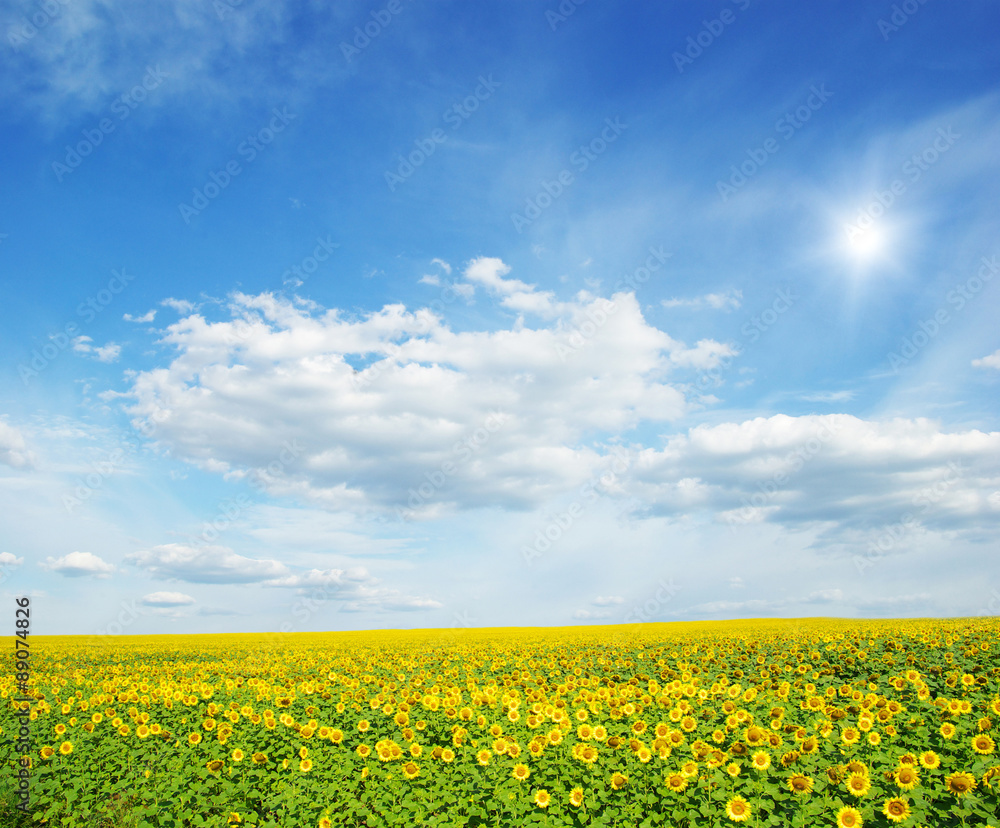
[865, 244]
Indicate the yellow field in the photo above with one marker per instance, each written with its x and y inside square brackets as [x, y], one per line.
[804, 723]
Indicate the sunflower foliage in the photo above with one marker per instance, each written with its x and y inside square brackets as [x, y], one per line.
[756, 723]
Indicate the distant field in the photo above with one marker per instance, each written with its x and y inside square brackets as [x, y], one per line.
[802, 723]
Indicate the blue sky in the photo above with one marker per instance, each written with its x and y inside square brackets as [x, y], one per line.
[436, 314]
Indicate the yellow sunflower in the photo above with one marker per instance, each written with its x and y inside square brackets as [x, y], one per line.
[849, 818]
[542, 798]
[738, 809]
[896, 809]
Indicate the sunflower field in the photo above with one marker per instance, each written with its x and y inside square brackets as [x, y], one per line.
[755, 723]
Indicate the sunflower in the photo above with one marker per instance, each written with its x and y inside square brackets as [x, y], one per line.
[576, 797]
[215, 765]
[947, 730]
[930, 760]
[849, 735]
[483, 757]
[906, 777]
[363, 751]
[738, 809]
[47, 752]
[411, 770]
[960, 783]
[259, 758]
[542, 798]
[447, 755]
[618, 781]
[761, 760]
[324, 822]
[733, 769]
[237, 755]
[849, 818]
[677, 782]
[142, 731]
[194, 738]
[983, 744]
[800, 784]
[520, 772]
[858, 784]
[896, 809]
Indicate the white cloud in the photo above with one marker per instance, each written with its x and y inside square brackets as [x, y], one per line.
[604, 601]
[179, 305]
[430, 279]
[990, 361]
[13, 448]
[149, 316]
[204, 565]
[423, 399]
[9, 559]
[726, 300]
[78, 565]
[825, 596]
[167, 599]
[443, 265]
[102, 353]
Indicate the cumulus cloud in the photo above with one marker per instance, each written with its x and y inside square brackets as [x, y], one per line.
[990, 361]
[179, 305]
[78, 565]
[396, 400]
[849, 475]
[13, 448]
[204, 564]
[8, 559]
